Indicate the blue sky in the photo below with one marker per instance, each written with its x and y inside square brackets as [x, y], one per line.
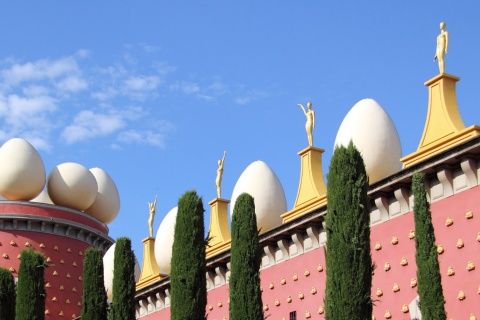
[153, 92]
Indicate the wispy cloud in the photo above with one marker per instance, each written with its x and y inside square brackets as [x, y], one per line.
[42, 97]
[250, 96]
[68, 100]
[88, 124]
[40, 70]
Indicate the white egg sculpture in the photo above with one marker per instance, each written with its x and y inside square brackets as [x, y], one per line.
[22, 173]
[263, 185]
[107, 202]
[42, 198]
[108, 266]
[72, 185]
[164, 241]
[375, 136]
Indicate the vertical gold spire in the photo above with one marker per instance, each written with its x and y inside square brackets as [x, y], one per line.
[219, 233]
[444, 127]
[312, 192]
[150, 270]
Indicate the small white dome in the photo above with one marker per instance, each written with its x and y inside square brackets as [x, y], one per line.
[164, 241]
[42, 198]
[22, 173]
[107, 202]
[72, 185]
[263, 185]
[374, 135]
[108, 265]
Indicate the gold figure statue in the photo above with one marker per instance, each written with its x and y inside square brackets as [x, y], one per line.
[152, 207]
[442, 47]
[310, 124]
[218, 181]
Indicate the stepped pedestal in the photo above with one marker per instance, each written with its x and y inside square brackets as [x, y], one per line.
[219, 232]
[312, 192]
[444, 127]
[150, 270]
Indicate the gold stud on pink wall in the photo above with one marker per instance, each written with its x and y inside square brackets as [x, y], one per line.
[449, 222]
[469, 214]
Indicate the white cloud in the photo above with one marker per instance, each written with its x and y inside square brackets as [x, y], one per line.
[82, 53]
[72, 84]
[185, 87]
[88, 124]
[250, 96]
[20, 112]
[35, 90]
[40, 69]
[106, 94]
[147, 137]
[142, 83]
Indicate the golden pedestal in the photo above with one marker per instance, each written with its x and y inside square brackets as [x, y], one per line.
[150, 271]
[444, 126]
[312, 192]
[219, 232]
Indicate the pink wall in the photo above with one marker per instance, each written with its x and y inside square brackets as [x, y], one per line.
[454, 207]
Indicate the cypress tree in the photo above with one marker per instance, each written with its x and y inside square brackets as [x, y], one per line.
[348, 259]
[94, 306]
[245, 295]
[187, 278]
[7, 294]
[123, 280]
[428, 270]
[31, 290]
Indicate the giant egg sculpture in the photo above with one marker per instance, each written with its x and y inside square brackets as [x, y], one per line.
[22, 173]
[107, 202]
[263, 185]
[72, 185]
[164, 241]
[108, 266]
[373, 133]
[42, 198]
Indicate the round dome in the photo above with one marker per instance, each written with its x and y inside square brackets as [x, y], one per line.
[164, 241]
[263, 185]
[72, 185]
[107, 202]
[42, 198]
[22, 173]
[108, 265]
[375, 136]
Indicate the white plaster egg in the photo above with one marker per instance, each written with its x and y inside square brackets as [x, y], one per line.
[263, 185]
[374, 135]
[108, 265]
[72, 185]
[164, 241]
[42, 198]
[107, 202]
[22, 173]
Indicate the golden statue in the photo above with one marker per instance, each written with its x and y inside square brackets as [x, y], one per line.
[442, 47]
[310, 124]
[218, 180]
[152, 207]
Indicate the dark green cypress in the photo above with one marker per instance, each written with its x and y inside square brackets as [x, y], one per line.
[348, 260]
[432, 302]
[94, 306]
[7, 294]
[245, 295]
[123, 290]
[187, 278]
[31, 287]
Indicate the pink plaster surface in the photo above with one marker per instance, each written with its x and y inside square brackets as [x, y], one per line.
[68, 274]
